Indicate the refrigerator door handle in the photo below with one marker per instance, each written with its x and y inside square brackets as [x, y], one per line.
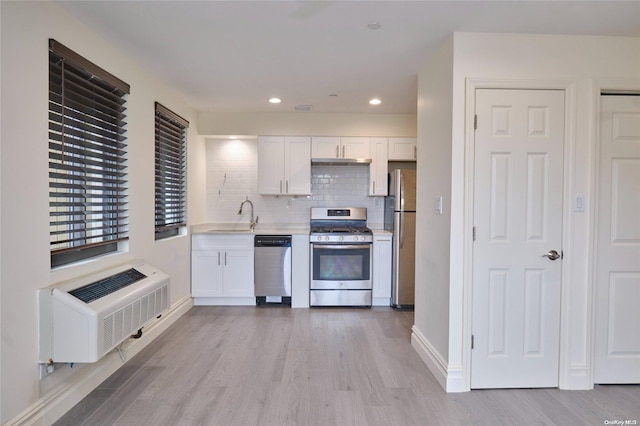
[400, 230]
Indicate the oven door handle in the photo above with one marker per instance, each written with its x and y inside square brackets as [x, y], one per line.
[340, 246]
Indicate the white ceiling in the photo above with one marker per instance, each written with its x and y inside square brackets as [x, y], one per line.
[234, 55]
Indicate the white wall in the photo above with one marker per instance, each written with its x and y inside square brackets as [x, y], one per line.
[232, 175]
[583, 62]
[26, 28]
[307, 124]
[434, 180]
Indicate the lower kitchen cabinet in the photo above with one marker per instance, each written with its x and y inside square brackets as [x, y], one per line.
[222, 270]
[300, 270]
[382, 269]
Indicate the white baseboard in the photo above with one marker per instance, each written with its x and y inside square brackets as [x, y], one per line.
[381, 301]
[55, 403]
[577, 379]
[450, 377]
[224, 301]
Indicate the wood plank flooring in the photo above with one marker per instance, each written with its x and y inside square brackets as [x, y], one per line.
[276, 366]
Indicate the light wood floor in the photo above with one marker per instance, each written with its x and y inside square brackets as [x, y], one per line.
[278, 366]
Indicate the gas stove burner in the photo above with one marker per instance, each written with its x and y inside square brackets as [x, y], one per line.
[340, 229]
[340, 225]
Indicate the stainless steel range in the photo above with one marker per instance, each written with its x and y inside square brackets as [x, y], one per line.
[340, 257]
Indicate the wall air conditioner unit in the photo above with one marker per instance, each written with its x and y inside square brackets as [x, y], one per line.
[83, 319]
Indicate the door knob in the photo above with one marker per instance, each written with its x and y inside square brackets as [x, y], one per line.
[552, 255]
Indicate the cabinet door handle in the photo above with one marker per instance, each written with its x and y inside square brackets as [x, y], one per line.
[218, 258]
[281, 187]
[342, 151]
[225, 258]
[337, 151]
[415, 152]
[374, 186]
[287, 186]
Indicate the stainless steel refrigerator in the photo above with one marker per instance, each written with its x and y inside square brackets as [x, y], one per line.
[400, 218]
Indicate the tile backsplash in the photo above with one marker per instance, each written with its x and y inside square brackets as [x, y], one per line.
[232, 176]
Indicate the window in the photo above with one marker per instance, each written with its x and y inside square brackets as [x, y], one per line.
[171, 172]
[87, 158]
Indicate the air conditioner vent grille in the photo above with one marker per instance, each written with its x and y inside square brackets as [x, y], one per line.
[106, 286]
[126, 321]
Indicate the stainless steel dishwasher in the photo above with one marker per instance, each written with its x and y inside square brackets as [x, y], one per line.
[272, 261]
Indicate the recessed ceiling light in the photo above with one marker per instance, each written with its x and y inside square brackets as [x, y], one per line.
[375, 101]
[373, 25]
[275, 100]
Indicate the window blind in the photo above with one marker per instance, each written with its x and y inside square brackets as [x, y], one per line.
[87, 158]
[171, 172]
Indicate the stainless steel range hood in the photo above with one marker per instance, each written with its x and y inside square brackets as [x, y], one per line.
[341, 161]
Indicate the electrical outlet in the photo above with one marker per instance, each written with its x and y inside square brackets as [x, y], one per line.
[46, 370]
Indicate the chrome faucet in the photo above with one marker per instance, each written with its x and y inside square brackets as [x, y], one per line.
[253, 222]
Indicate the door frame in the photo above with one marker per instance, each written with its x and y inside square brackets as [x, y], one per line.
[599, 86]
[569, 88]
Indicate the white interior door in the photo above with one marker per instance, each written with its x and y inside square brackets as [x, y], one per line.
[617, 288]
[518, 183]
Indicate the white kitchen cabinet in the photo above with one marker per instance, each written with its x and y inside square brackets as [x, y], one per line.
[382, 269]
[402, 149]
[206, 274]
[340, 147]
[222, 269]
[356, 147]
[378, 169]
[325, 147]
[300, 270]
[237, 274]
[284, 165]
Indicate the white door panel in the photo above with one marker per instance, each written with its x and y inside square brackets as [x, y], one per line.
[617, 287]
[519, 147]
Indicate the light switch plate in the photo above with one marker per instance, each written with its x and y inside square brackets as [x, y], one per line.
[579, 202]
[438, 205]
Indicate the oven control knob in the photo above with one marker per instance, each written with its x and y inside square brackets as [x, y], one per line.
[326, 238]
[319, 238]
[341, 238]
[355, 238]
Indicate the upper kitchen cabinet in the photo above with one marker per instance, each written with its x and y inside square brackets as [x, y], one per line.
[284, 165]
[325, 147]
[402, 149]
[378, 169]
[356, 147]
[341, 147]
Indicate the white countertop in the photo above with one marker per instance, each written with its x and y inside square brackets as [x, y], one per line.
[243, 228]
[266, 229]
